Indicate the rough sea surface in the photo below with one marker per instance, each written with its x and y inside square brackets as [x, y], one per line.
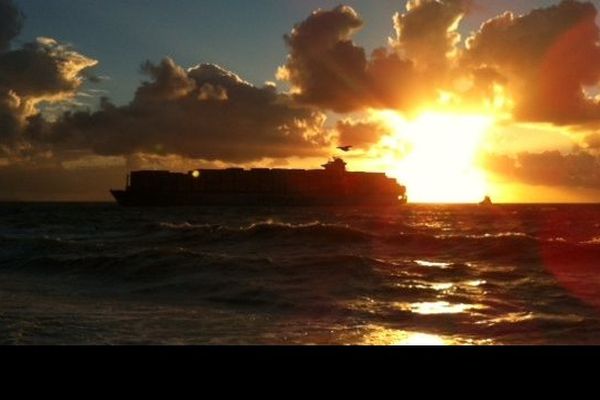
[414, 274]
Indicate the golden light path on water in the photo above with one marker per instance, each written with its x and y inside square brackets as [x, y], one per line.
[441, 150]
[381, 335]
[385, 336]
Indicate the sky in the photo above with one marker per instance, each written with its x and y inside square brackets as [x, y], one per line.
[92, 89]
[241, 36]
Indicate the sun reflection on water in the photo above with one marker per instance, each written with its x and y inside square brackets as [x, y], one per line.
[378, 335]
[434, 264]
[437, 307]
[421, 339]
[442, 286]
[476, 283]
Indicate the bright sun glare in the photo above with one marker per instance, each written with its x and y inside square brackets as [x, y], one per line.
[439, 166]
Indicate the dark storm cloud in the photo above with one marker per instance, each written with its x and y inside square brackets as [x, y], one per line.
[550, 168]
[543, 59]
[546, 57]
[328, 70]
[11, 119]
[168, 82]
[11, 22]
[203, 112]
[325, 66]
[42, 70]
[360, 134]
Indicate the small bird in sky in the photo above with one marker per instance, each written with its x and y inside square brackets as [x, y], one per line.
[344, 148]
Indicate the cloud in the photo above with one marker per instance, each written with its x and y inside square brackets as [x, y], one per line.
[534, 65]
[542, 60]
[43, 70]
[40, 71]
[11, 22]
[12, 118]
[550, 168]
[546, 58]
[427, 32]
[324, 65]
[394, 83]
[328, 70]
[202, 112]
[593, 141]
[360, 134]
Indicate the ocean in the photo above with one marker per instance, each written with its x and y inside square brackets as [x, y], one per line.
[97, 273]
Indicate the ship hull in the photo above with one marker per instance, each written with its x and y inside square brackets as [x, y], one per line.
[165, 199]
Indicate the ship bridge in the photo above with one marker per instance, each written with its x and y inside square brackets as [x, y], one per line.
[335, 165]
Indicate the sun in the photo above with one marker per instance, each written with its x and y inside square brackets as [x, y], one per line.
[438, 164]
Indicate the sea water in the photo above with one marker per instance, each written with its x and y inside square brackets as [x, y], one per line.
[97, 273]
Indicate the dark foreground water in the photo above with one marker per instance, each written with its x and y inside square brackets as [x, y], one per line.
[98, 273]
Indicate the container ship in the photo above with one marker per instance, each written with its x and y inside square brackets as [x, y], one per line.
[332, 185]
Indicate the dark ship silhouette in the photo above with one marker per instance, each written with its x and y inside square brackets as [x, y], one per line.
[333, 185]
[486, 201]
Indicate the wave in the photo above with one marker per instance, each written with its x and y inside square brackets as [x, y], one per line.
[593, 241]
[505, 245]
[265, 230]
[317, 230]
[157, 264]
[317, 238]
[13, 246]
[308, 282]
